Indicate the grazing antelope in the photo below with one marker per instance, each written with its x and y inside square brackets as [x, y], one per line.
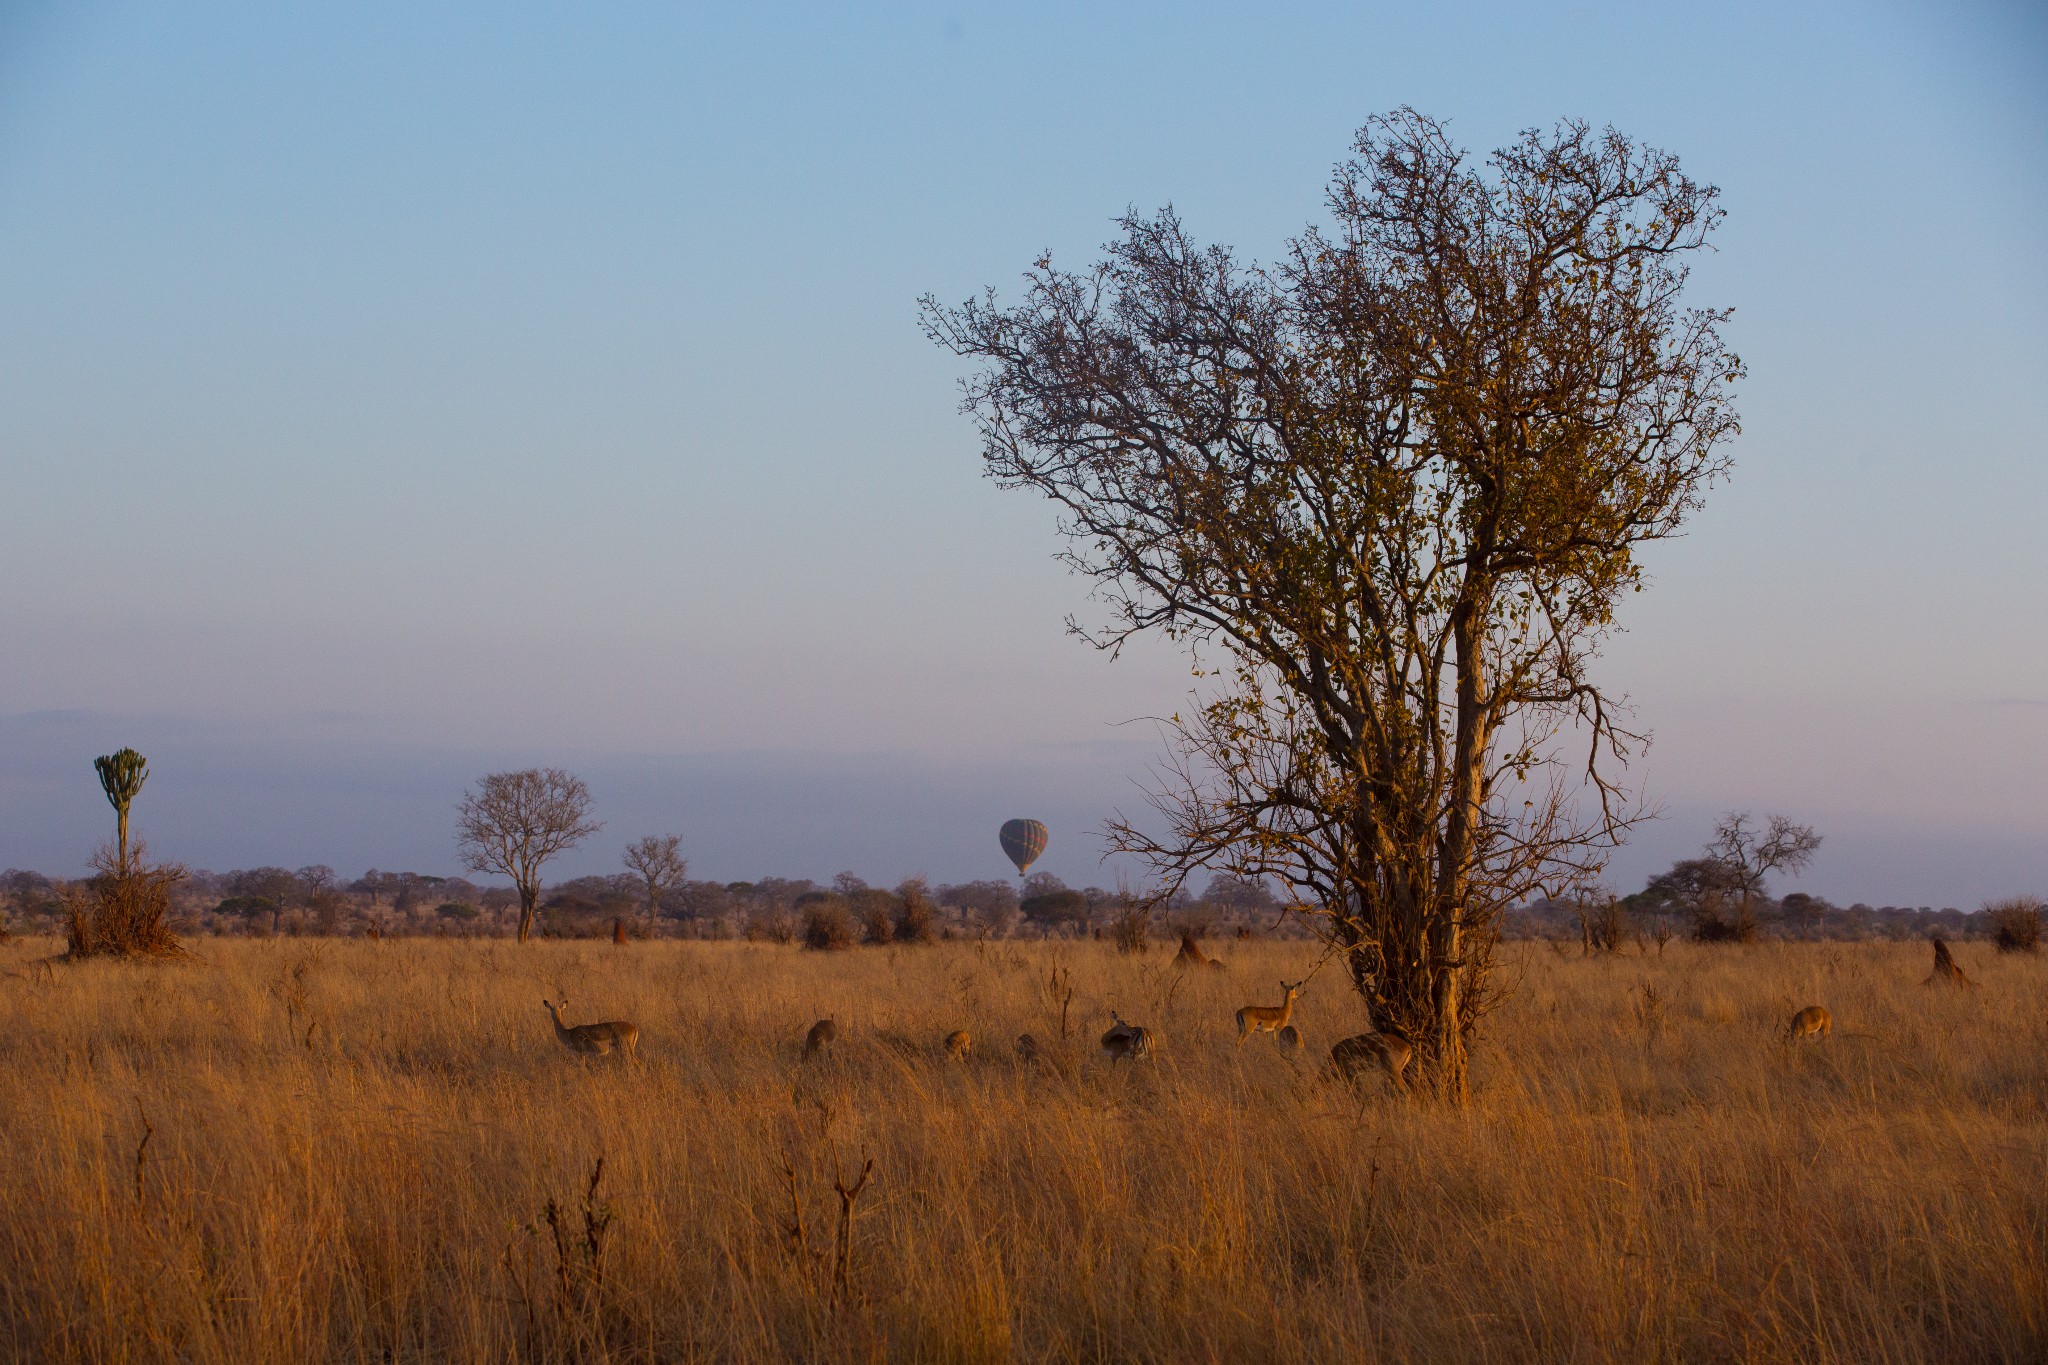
[600, 1040]
[1260, 1018]
[1350, 1057]
[1028, 1049]
[1126, 1042]
[1812, 1022]
[959, 1043]
[1290, 1037]
[822, 1035]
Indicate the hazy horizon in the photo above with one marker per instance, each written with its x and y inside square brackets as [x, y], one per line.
[388, 398]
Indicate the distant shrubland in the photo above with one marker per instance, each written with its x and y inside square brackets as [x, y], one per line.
[316, 902]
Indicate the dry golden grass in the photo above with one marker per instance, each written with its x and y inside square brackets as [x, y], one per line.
[353, 1149]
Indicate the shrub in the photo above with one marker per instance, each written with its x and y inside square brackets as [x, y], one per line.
[876, 911]
[1129, 929]
[1716, 922]
[124, 909]
[772, 924]
[917, 921]
[828, 924]
[1603, 925]
[2016, 924]
[1062, 906]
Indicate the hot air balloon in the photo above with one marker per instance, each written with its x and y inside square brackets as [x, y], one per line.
[1023, 840]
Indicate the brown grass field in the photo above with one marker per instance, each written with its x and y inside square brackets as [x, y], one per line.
[352, 1148]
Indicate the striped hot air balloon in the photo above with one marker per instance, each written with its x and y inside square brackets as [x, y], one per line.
[1023, 841]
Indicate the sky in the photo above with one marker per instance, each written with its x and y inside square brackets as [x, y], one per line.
[394, 393]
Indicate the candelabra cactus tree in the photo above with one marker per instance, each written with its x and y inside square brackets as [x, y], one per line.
[121, 777]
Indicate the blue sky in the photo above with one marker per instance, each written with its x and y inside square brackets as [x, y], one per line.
[390, 392]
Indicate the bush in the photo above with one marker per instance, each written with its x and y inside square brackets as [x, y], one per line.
[1714, 922]
[1603, 925]
[248, 907]
[2015, 924]
[124, 909]
[876, 911]
[1056, 907]
[773, 924]
[1130, 929]
[917, 921]
[828, 924]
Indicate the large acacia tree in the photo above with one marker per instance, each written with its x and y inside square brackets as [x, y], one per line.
[1390, 490]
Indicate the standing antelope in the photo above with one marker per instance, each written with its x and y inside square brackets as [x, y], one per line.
[959, 1044]
[1351, 1056]
[599, 1040]
[1812, 1022]
[1259, 1018]
[1126, 1042]
[822, 1035]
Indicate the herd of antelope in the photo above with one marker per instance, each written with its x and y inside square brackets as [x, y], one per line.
[1351, 1059]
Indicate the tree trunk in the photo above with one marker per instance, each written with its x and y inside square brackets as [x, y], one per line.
[1454, 855]
[121, 823]
[528, 895]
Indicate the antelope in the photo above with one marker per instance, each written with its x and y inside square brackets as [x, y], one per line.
[822, 1035]
[600, 1040]
[1028, 1049]
[1259, 1018]
[1812, 1022]
[1290, 1037]
[959, 1043]
[1126, 1042]
[1350, 1056]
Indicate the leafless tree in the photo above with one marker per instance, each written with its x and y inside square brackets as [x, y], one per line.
[1389, 491]
[512, 823]
[658, 861]
[1750, 854]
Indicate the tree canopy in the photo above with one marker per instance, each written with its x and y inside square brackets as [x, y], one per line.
[1389, 489]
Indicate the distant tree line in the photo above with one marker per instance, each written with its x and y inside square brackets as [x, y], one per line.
[1683, 902]
[316, 900]
[1722, 896]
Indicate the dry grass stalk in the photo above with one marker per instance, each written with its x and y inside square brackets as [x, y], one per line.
[849, 1195]
[1059, 994]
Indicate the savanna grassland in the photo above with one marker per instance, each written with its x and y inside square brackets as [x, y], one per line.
[352, 1148]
